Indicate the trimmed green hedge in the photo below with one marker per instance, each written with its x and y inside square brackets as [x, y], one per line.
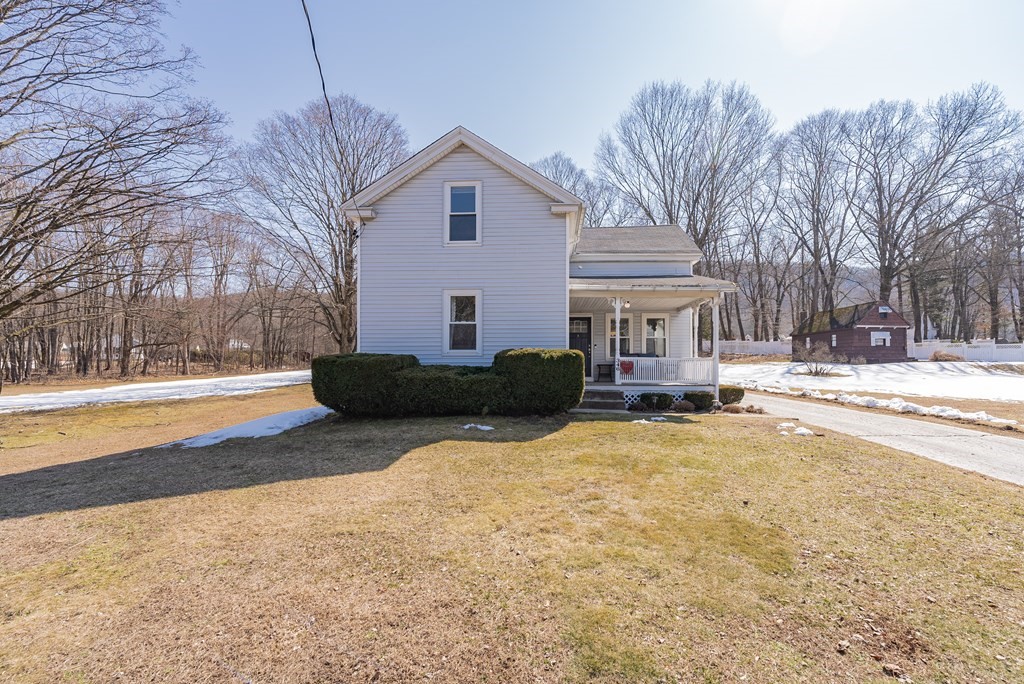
[702, 401]
[542, 381]
[522, 381]
[350, 383]
[657, 400]
[730, 394]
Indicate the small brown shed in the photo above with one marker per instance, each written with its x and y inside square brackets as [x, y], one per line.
[873, 331]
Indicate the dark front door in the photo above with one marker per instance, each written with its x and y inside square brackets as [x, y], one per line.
[580, 338]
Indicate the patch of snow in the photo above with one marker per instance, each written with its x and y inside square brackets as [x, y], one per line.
[643, 421]
[954, 379]
[153, 391]
[784, 426]
[784, 433]
[897, 404]
[472, 426]
[658, 419]
[261, 427]
[803, 432]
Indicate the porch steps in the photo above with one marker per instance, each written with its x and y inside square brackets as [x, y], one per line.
[603, 399]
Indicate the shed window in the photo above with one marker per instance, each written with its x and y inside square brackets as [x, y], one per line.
[880, 338]
[462, 213]
[834, 340]
[462, 321]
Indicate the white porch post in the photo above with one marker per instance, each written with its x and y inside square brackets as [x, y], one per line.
[618, 341]
[714, 340]
[695, 350]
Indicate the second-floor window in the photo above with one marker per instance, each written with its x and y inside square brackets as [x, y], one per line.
[462, 213]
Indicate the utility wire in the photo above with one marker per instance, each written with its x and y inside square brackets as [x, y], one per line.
[320, 70]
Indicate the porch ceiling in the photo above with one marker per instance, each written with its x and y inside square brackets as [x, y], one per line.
[637, 303]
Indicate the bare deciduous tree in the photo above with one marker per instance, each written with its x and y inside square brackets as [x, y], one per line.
[298, 178]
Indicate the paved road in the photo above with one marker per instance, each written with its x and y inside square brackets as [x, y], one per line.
[994, 455]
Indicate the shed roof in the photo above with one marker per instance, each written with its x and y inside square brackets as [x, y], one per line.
[843, 317]
[669, 239]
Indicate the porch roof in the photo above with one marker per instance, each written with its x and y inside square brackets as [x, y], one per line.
[686, 285]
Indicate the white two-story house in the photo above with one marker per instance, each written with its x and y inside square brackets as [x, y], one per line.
[465, 251]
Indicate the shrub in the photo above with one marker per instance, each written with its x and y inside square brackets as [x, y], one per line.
[358, 384]
[858, 361]
[684, 406]
[818, 360]
[732, 408]
[730, 394]
[702, 401]
[750, 408]
[448, 391]
[639, 406]
[939, 355]
[537, 381]
[657, 400]
[542, 381]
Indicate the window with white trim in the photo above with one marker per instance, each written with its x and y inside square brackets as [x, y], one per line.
[462, 215]
[656, 334]
[621, 339]
[462, 321]
[835, 339]
[881, 338]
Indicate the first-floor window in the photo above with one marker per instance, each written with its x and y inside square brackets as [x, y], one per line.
[880, 338]
[656, 334]
[835, 339]
[462, 318]
[618, 339]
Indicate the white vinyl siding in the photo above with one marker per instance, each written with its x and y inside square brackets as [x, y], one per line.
[520, 265]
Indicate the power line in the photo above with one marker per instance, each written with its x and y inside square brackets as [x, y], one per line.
[323, 84]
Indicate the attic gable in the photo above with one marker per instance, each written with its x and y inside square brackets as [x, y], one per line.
[361, 205]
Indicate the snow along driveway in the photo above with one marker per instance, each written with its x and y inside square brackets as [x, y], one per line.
[958, 379]
[151, 391]
[993, 455]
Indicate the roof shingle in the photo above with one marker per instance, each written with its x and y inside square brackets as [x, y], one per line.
[636, 240]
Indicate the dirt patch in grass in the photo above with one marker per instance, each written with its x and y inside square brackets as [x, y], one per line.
[1011, 410]
[704, 549]
[37, 439]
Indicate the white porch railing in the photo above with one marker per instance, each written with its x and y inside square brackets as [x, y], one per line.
[682, 371]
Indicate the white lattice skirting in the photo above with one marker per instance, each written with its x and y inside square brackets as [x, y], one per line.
[633, 397]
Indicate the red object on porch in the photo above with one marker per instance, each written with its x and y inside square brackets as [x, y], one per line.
[625, 366]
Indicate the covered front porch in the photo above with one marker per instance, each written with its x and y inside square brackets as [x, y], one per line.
[639, 334]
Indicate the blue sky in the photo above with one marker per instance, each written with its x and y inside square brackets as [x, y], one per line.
[536, 77]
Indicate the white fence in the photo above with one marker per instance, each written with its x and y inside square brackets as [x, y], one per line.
[980, 350]
[699, 371]
[750, 347]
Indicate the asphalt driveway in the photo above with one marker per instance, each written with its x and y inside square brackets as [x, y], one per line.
[993, 455]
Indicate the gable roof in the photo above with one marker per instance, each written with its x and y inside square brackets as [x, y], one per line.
[844, 317]
[669, 239]
[440, 148]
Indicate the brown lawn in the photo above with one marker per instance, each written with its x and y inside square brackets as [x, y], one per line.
[587, 549]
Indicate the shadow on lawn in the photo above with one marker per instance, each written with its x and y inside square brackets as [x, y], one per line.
[333, 446]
